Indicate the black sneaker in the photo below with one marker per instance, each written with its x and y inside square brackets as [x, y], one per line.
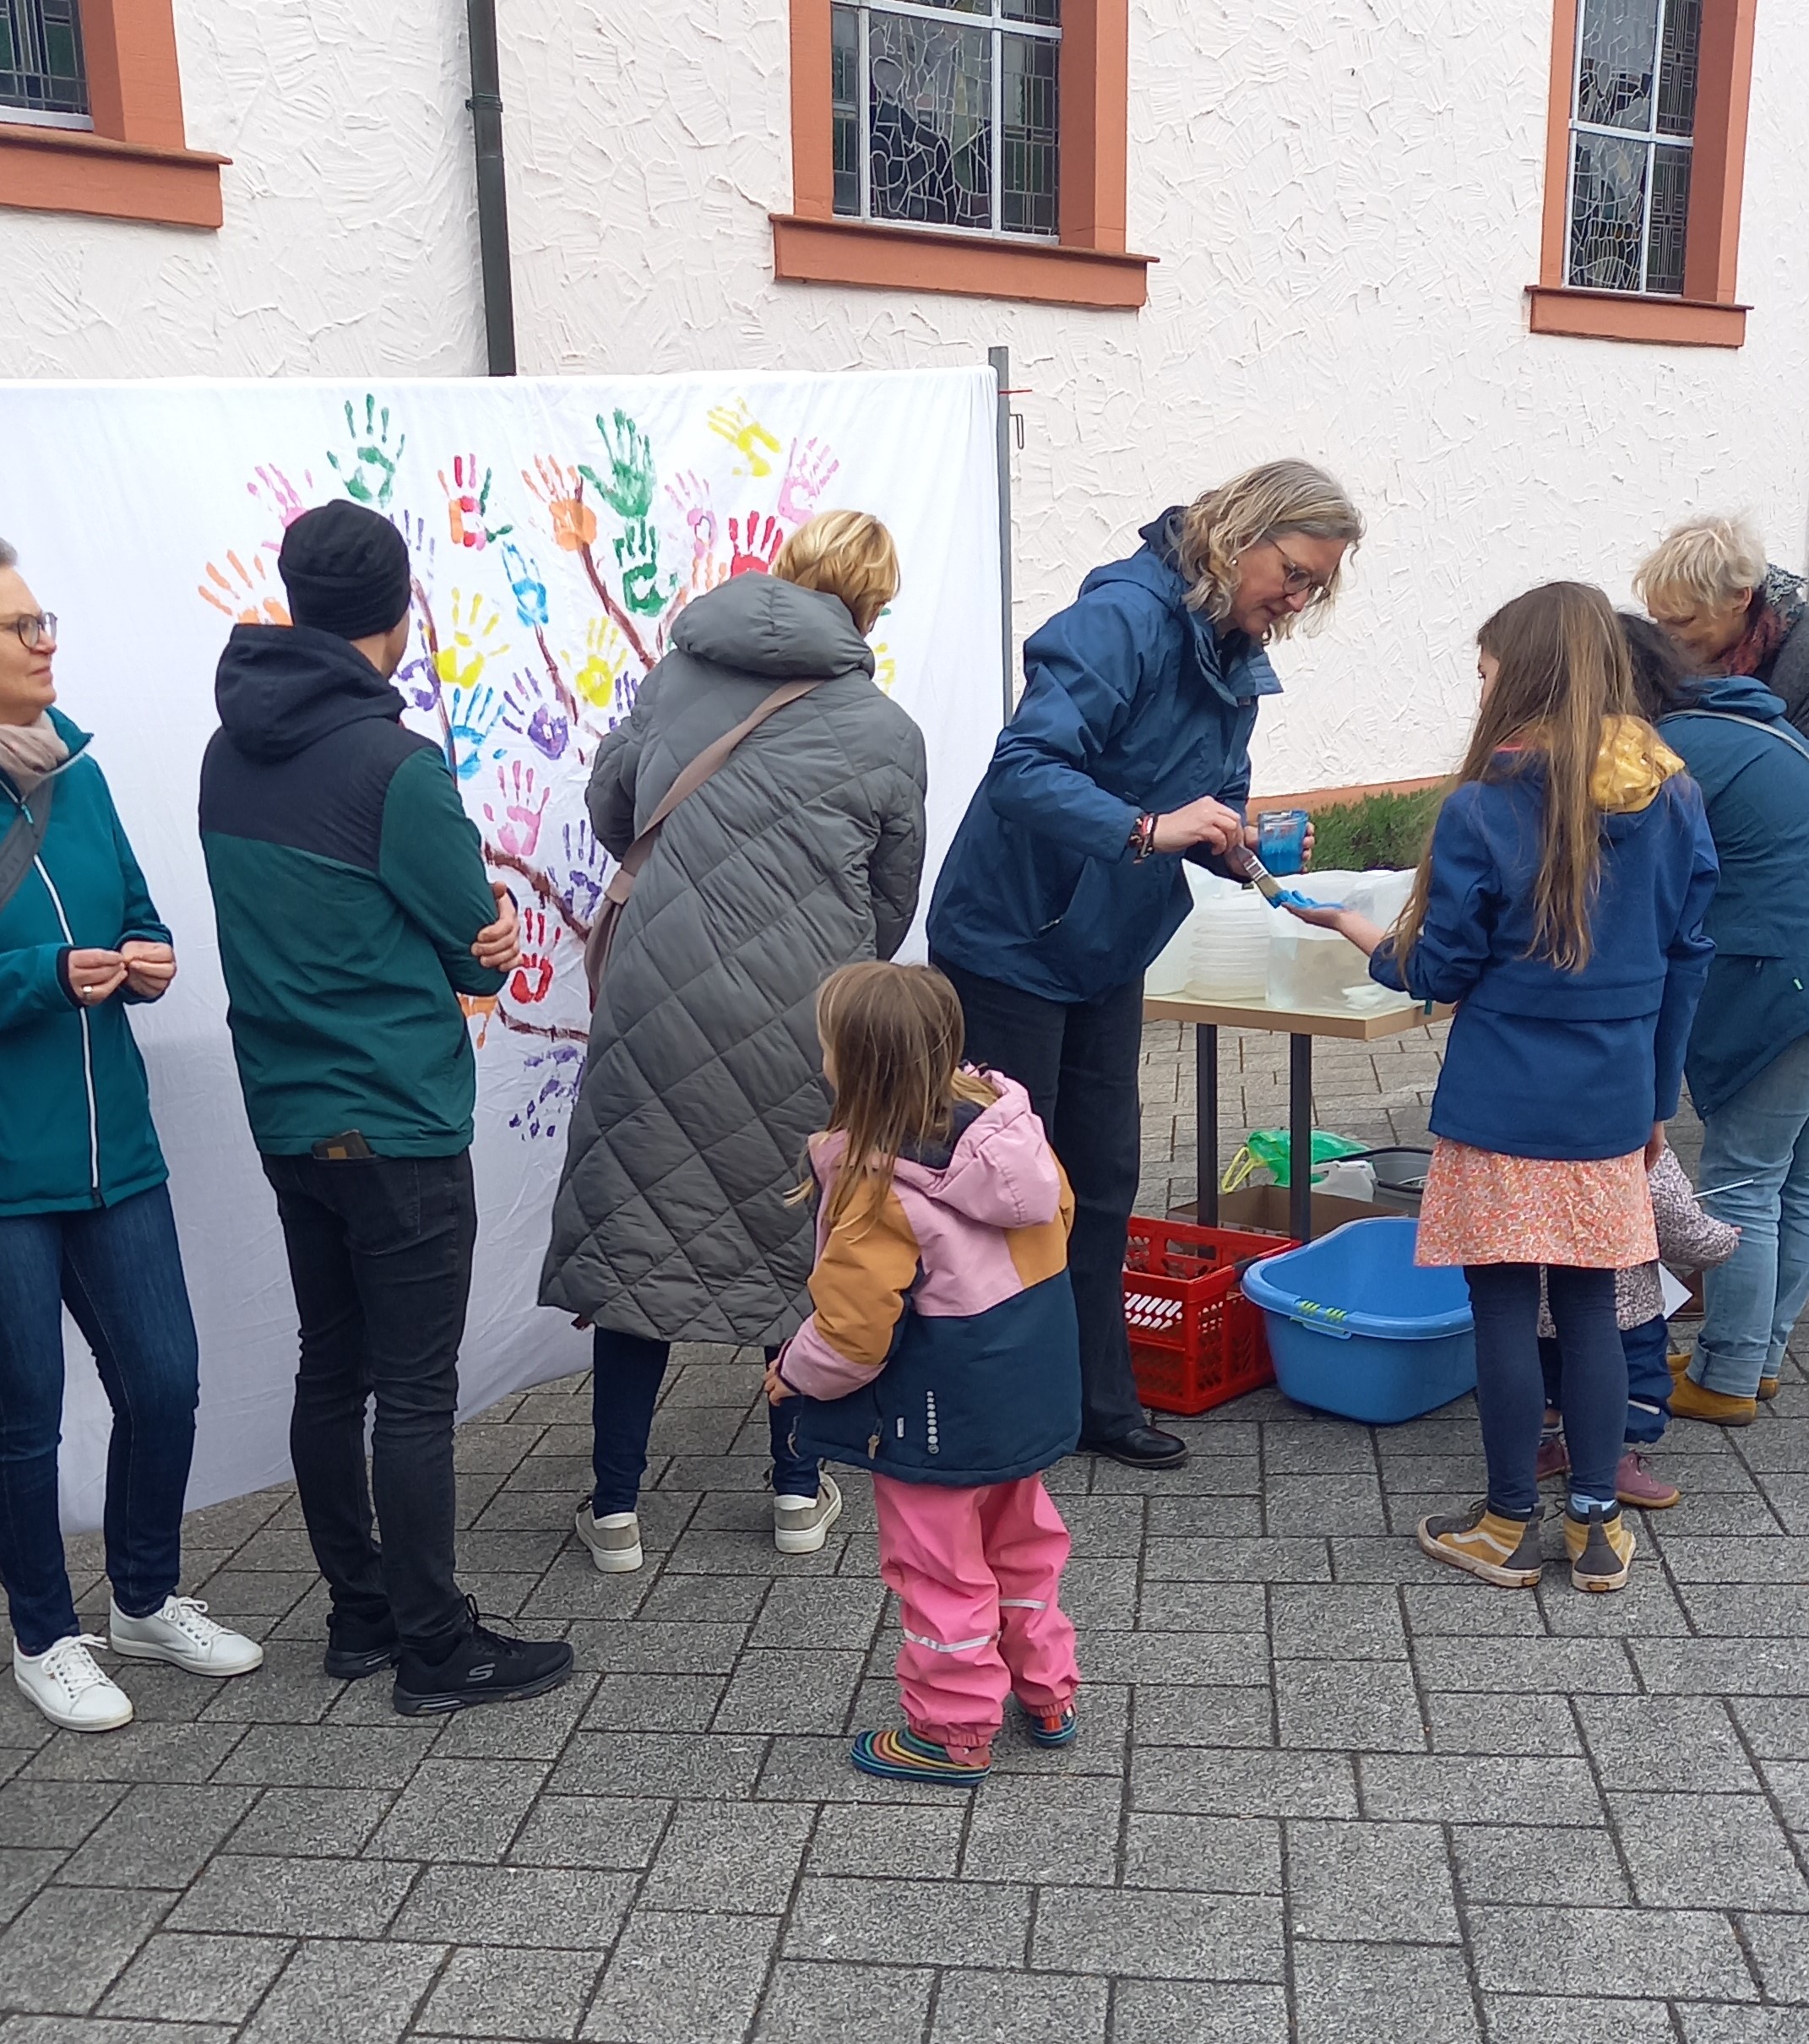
[486, 1667]
[358, 1647]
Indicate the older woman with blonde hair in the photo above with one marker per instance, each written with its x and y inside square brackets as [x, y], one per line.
[1728, 610]
[799, 852]
[1128, 753]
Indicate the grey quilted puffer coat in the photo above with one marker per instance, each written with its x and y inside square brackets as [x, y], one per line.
[801, 853]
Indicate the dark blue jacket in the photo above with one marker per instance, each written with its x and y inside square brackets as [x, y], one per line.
[1755, 790]
[1132, 702]
[1543, 1062]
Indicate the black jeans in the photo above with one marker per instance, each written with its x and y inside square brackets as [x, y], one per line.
[380, 1255]
[1511, 1385]
[1078, 1063]
[626, 1371]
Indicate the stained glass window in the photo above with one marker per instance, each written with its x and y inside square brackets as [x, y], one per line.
[1631, 129]
[945, 112]
[41, 75]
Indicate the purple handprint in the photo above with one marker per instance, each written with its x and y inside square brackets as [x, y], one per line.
[586, 863]
[559, 1071]
[527, 711]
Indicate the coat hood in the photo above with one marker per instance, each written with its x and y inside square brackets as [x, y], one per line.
[280, 687]
[1631, 767]
[1739, 695]
[1000, 1170]
[764, 626]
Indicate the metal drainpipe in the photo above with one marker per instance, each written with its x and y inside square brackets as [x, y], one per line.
[486, 105]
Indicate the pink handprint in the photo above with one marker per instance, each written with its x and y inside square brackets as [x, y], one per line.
[809, 472]
[275, 492]
[533, 977]
[518, 828]
[753, 547]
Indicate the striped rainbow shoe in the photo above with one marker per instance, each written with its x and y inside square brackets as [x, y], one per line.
[1051, 1727]
[901, 1756]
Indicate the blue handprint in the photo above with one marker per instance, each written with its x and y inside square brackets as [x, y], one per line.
[584, 860]
[542, 1113]
[527, 712]
[524, 578]
[473, 714]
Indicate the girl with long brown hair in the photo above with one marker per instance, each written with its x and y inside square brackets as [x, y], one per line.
[1560, 907]
[942, 1354]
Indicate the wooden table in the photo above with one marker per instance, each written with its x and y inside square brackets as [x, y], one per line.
[1301, 1026]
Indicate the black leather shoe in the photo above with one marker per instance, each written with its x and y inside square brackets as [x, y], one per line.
[1142, 1448]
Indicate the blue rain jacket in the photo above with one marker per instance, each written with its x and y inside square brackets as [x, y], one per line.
[1131, 703]
[1756, 789]
[1542, 1062]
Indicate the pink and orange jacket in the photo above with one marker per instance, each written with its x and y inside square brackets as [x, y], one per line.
[941, 1346]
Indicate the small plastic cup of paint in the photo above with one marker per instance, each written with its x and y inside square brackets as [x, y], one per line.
[1281, 840]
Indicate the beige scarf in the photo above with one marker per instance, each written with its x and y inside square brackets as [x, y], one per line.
[30, 752]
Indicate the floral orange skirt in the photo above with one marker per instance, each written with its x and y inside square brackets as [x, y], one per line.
[1482, 1208]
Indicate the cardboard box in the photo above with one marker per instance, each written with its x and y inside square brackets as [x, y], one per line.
[1264, 1208]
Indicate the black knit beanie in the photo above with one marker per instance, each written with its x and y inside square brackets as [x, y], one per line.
[346, 569]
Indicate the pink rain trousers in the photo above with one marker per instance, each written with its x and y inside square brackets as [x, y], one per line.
[977, 1574]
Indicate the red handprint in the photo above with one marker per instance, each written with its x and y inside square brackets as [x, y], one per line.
[533, 977]
[753, 547]
[518, 828]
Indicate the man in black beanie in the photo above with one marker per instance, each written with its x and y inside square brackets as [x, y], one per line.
[353, 909]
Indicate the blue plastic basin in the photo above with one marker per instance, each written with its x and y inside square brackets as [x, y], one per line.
[1355, 1328]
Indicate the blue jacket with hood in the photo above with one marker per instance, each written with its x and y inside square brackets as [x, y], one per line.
[1540, 1061]
[1131, 703]
[1756, 789]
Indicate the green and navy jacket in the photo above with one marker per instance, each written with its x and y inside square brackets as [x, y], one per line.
[349, 885]
[75, 1122]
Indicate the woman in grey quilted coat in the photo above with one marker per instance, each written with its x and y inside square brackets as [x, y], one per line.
[801, 853]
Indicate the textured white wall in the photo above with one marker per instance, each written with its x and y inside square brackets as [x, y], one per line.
[1345, 194]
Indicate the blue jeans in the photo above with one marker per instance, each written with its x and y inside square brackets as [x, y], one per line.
[119, 1271]
[1647, 1348]
[1751, 1302]
[625, 1377]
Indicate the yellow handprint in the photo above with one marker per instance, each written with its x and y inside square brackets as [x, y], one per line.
[474, 641]
[885, 667]
[737, 425]
[606, 656]
[244, 595]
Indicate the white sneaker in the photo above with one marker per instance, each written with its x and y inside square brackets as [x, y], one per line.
[183, 1634]
[614, 1540]
[67, 1684]
[800, 1525]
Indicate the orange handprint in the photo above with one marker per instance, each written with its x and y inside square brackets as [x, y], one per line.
[561, 489]
[244, 595]
[468, 504]
[533, 977]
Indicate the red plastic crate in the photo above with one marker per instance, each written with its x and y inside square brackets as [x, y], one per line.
[1196, 1340]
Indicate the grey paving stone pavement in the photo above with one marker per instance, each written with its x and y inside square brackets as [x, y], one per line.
[1323, 1789]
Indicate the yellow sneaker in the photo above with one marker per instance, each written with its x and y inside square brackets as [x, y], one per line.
[1690, 1401]
[1502, 1550]
[1601, 1548]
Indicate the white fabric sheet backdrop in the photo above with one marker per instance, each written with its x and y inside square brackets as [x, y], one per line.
[557, 528]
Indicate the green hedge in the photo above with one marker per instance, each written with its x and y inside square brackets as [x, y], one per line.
[1376, 830]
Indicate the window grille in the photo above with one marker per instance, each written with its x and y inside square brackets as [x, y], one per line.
[42, 80]
[945, 113]
[1632, 124]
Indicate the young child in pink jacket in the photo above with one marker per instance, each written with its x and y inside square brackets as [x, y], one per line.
[942, 1354]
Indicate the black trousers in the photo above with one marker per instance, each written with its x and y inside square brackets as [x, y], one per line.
[380, 1255]
[1078, 1063]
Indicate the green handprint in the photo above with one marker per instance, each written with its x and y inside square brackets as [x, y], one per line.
[369, 471]
[638, 550]
[630, 487]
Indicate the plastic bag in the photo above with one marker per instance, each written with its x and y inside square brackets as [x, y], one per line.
[1267, 1150]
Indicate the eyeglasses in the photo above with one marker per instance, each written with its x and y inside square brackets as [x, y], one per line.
[1298, 581]
[33, 630]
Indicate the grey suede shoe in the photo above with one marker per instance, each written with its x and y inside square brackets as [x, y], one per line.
[800, 1525]
[613, 1541]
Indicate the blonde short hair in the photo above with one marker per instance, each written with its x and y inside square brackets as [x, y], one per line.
[1261, 505]
[848, 554]
[1709, 561]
